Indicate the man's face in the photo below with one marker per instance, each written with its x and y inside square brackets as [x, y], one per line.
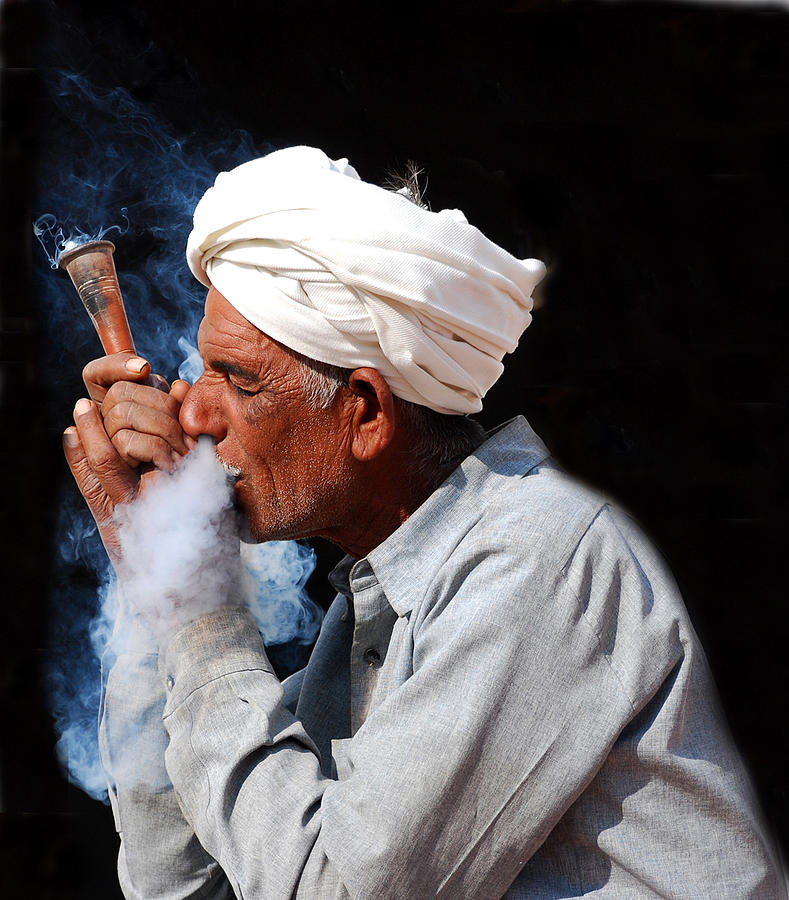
[290, 459]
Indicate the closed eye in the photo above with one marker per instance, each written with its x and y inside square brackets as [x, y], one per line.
[233, 370]
[242, 391]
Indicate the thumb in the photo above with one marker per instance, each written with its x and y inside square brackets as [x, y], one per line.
[99, 504]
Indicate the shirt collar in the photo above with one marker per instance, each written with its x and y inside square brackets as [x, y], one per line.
[407, 561]
[339, 577]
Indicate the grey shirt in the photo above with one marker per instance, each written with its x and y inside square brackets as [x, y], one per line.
[507, 698]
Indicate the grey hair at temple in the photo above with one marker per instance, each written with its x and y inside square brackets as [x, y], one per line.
[437, 439]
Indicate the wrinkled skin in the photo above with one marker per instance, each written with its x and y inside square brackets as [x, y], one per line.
[339, 472]
[249, 399]
[124, 425]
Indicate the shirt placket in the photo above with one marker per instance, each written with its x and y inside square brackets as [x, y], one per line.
[373, 622]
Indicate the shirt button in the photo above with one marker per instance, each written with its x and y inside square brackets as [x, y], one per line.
[371, 656]
[170, 682]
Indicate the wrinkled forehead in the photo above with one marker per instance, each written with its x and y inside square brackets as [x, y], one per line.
[224, 323]
[226, 336]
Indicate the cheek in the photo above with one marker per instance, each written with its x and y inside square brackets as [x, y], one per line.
[318, 456]
[259, 415]
[257, 434]
[293, 447]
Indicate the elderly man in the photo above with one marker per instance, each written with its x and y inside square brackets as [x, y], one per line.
[507, 697]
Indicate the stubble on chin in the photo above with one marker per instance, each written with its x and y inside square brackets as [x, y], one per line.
[295, 512]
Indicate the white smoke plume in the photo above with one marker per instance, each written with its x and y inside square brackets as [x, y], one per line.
[181, 557]
[179, 542]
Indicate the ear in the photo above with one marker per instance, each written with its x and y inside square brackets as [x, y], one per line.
[372, 414]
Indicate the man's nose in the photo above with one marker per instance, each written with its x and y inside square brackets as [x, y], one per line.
[200, 413]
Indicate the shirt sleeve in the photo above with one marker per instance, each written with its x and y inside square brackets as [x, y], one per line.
[454, 781]
[159, 856]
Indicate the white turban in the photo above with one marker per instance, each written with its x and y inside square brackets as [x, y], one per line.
[353, 275]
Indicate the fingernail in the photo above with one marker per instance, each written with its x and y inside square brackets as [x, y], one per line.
[176, 457]
[136, 364]
[190, 442]
[70, 436]
[84, 405]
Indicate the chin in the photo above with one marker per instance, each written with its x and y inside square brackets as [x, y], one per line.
[247, 532]
[252, 531]
[261, 522]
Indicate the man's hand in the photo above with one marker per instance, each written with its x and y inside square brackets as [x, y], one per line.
[127, 426]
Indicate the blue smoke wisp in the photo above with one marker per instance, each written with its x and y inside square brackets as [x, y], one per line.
[115, 170]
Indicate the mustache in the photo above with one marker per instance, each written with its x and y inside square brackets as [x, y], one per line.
[231, 471]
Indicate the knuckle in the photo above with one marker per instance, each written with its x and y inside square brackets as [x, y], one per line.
[93, 366]
[118, 391]
[97, 371]
[81, 471]
[120, 417]
[110, 418]
[173, 433]
[169, 404]
[135, 447]
[135, 442]
[159, 400]
[122, 440]
[126, 414]
[105, 461]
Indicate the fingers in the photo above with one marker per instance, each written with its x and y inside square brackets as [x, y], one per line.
[103, 469]
[137, 449]
[147, 413]
[100, 505]
[87, 480]
[179, 390]
[137, 423]
[143, 395]
[100, 374]
[142, 423]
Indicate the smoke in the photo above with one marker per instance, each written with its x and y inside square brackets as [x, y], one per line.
[116, 170]
[113, 168]
[179, 542]
[273, 576]
[183, 556]
[191, 367]
[50, 234]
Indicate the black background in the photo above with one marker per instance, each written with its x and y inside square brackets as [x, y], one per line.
[638, 148]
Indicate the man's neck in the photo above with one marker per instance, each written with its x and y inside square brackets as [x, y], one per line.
[383, 505]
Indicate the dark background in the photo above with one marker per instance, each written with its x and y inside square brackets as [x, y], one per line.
[638, 148]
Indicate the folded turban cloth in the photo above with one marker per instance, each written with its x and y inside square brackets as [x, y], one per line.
[351, 274]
